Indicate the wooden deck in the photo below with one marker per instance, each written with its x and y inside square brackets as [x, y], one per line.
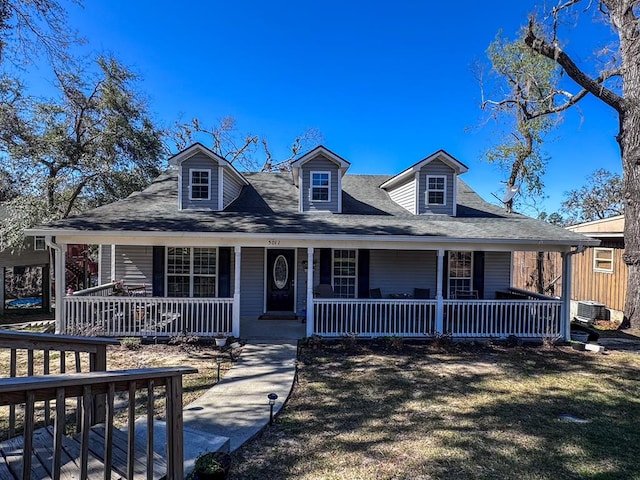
[11, 457]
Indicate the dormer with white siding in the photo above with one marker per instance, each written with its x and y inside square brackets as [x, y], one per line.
[429, 186]
[206, 181]
[318, 176]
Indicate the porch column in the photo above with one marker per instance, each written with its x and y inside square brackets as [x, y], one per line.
[565, 327]
[113, 264]
[439, 297]
[61, 290]
[236, 292]
[310, 311]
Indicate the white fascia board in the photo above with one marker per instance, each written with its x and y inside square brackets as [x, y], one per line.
[456, 165]
[304, 240]
[320, 150]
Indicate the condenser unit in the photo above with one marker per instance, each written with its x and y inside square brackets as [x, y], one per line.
[591, 311]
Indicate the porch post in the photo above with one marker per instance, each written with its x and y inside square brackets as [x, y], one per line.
[439, 297]
[565, 328]
[310, 311]
[236, 292]
[61, 291]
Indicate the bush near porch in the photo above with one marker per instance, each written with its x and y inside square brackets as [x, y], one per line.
[393, 410]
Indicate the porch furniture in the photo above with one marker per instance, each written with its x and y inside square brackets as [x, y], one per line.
[324, 290]
[465, 295]
[399, 296]
[421, 293]
[375, 293]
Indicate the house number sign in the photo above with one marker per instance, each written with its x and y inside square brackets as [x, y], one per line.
[273, 242]
[280, 272]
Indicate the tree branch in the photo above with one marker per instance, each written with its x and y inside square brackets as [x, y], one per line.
[555, 53]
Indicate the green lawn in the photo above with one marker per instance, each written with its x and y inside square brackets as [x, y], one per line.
[461, 412]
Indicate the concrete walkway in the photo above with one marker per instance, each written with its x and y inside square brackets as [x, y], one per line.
[237, 408]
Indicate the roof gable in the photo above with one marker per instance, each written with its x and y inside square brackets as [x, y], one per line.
[320, 150]
[177, 159]
[441, 155]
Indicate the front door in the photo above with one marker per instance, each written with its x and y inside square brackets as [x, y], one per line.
[280, 280]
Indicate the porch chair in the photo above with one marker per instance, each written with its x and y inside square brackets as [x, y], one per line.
[324, 290]
[375, 293]
[422, 293]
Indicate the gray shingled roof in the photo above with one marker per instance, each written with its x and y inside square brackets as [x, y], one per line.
[270, 206]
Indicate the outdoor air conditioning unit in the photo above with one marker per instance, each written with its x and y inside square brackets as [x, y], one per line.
[591, 311]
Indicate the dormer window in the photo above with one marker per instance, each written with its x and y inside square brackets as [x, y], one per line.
[436, 190]
[320, 187]
[199, 184]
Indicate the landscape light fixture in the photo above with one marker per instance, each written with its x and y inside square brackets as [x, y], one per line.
[219, 362]
[272, 401]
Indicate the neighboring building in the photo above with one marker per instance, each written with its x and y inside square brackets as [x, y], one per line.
[418, 253]
[599, 274]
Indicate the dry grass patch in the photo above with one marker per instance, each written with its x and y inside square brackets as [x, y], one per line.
[463, 413]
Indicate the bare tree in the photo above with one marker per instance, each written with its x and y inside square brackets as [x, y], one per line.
[246, 151]
[31, 27]
[617, 84]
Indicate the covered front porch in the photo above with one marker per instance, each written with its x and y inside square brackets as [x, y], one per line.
[370, 293]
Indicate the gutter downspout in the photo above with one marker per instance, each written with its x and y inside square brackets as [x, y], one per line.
[566, 290]
[59, 279]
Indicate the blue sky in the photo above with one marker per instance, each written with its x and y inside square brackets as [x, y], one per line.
[386, 83]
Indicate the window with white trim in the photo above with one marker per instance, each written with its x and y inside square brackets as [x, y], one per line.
[191, 272]
[460, 272]
[39, 244]
[199, 184]
[320, 190]
[603, 260]
[436, 190]
[344, 273]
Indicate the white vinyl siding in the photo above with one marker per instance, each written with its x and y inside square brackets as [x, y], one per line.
[231, 190]
[405, 195]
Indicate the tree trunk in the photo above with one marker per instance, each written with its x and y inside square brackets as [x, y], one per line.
[629, 141]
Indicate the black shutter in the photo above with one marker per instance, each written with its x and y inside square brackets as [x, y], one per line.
[363, 273]
[158, 271]
[224, 272]
[325, 265]
[478, 273]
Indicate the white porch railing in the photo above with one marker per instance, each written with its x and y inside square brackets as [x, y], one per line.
[146, 316]
[374, 318]
[416, 318]
[501, 318]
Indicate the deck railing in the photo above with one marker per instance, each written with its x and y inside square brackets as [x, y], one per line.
[99, 290]
[97, 444]
[146, 316]
[374, 318]
[417, 318]
[52, 354]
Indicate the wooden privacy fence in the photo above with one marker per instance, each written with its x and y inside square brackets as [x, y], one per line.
[416, 318]
[147, 316]
[98, 451]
